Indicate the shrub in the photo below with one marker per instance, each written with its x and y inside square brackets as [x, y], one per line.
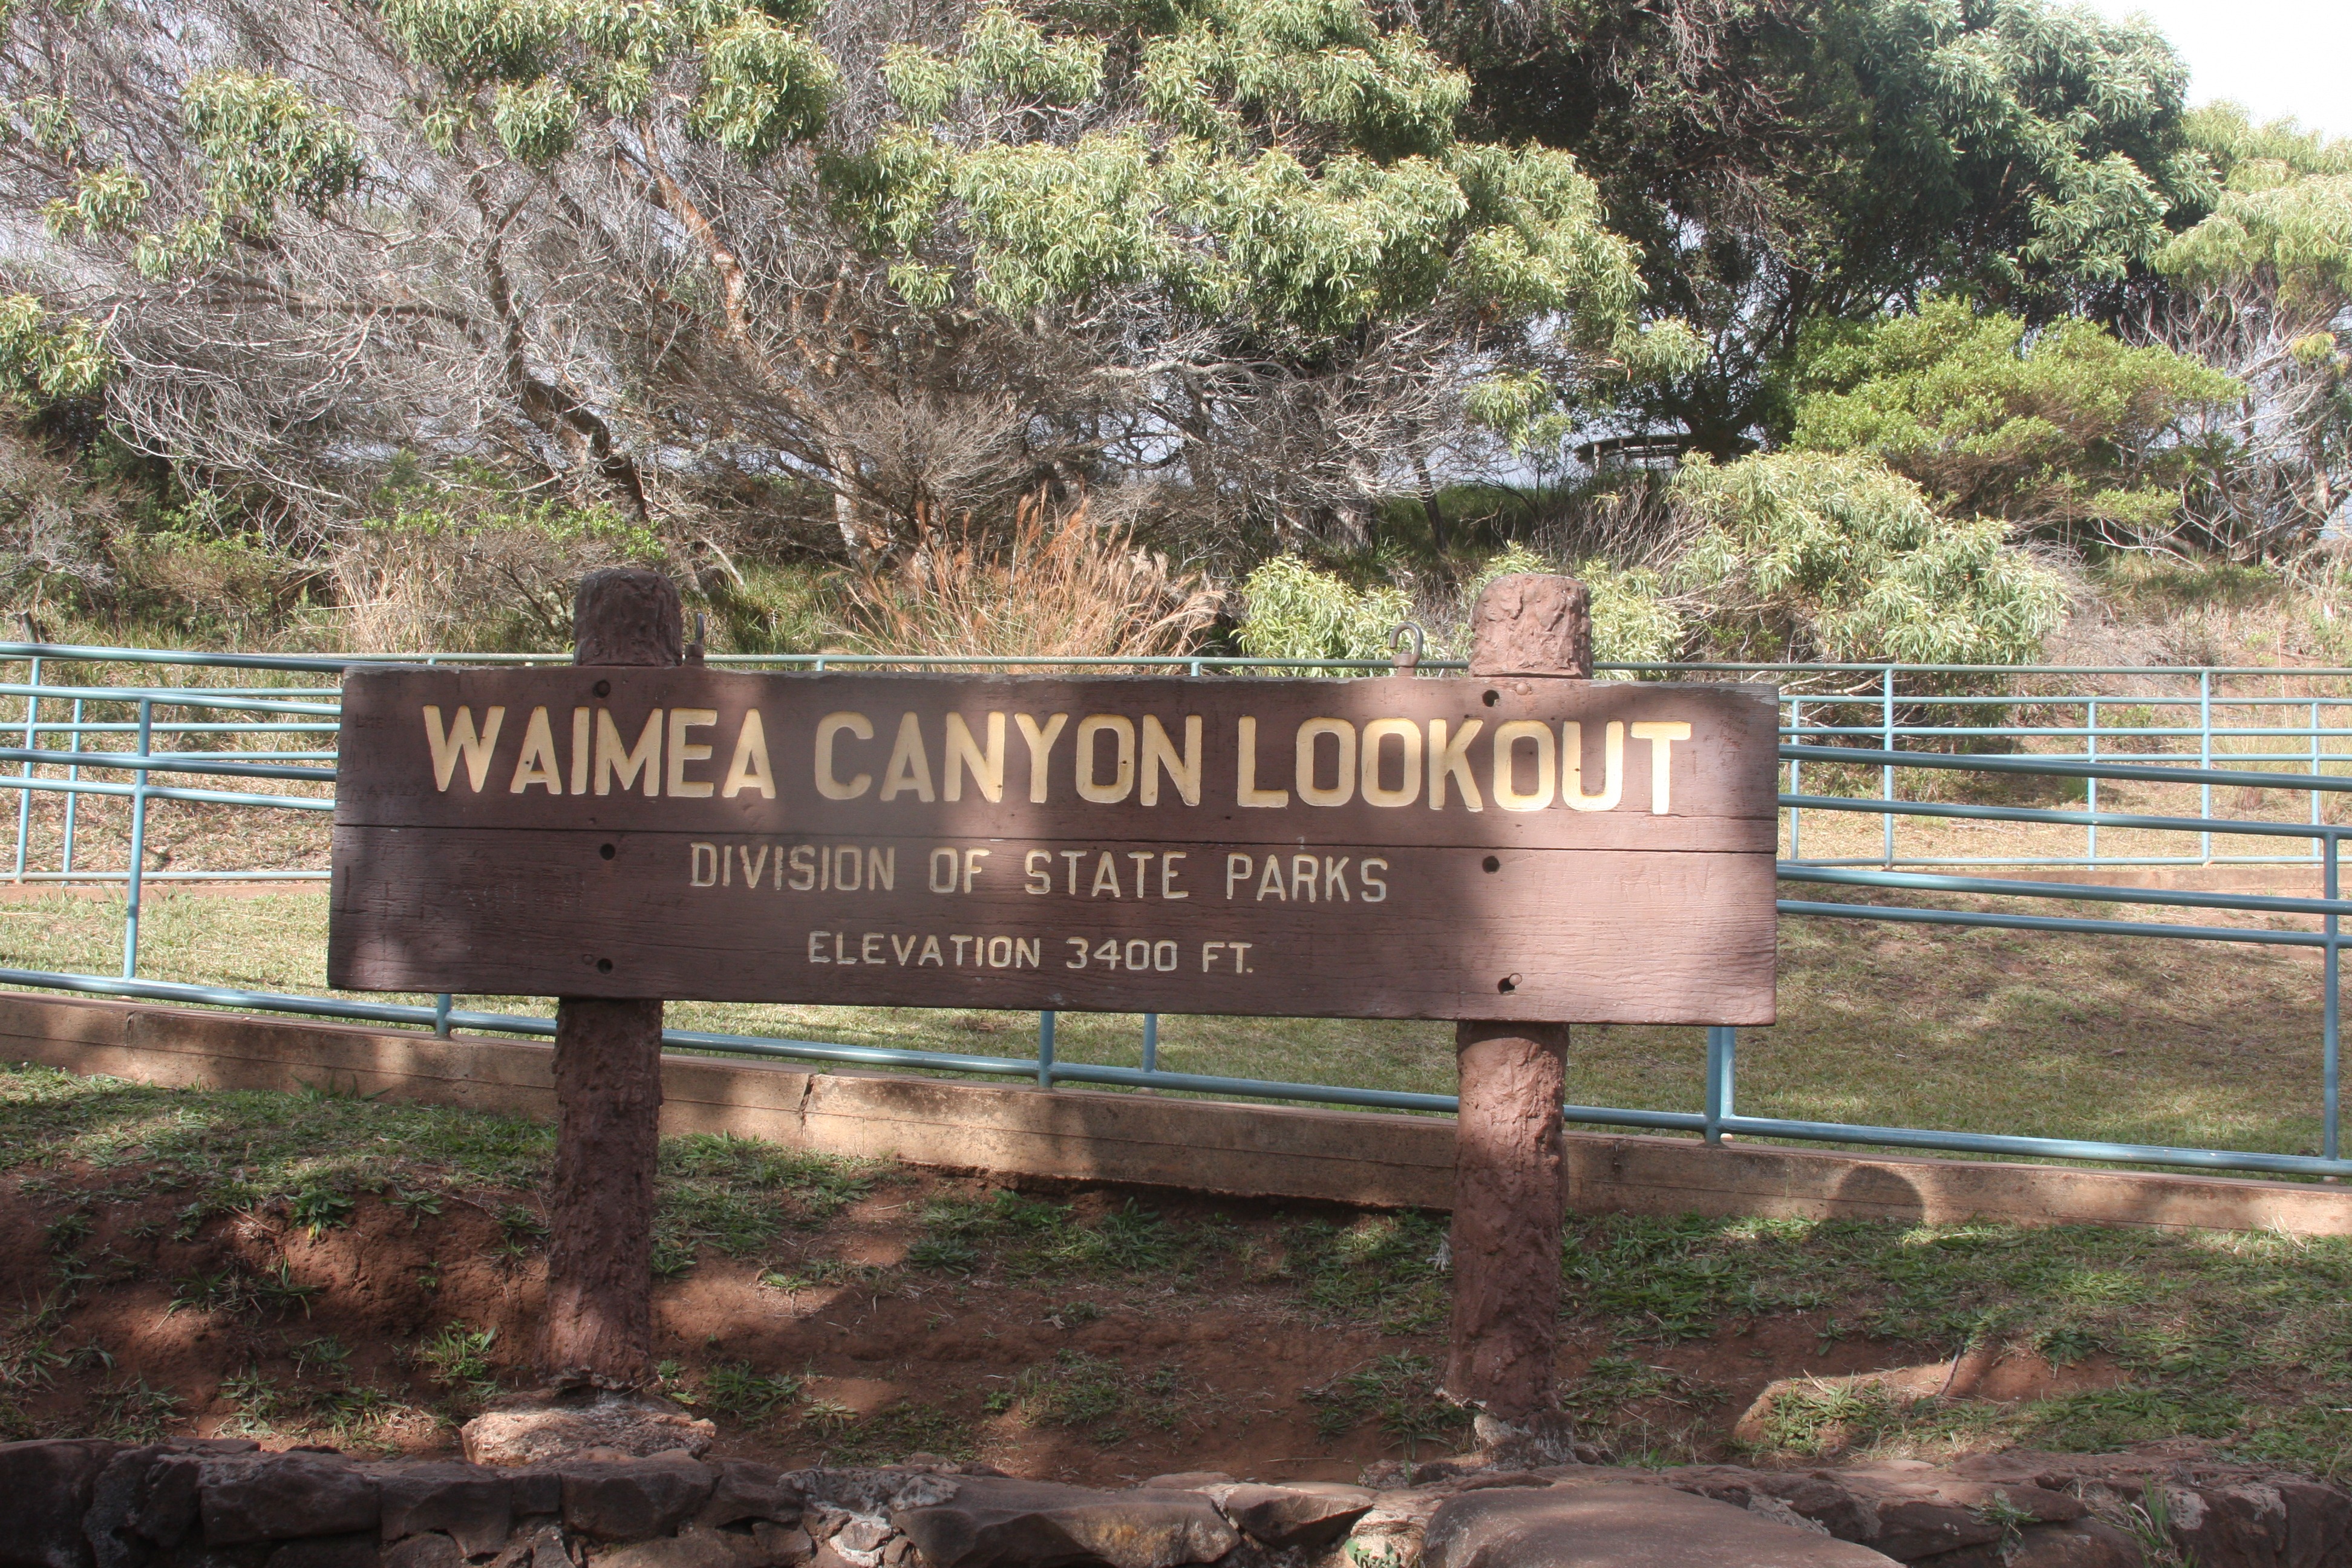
[1808, 555]
[1056, 584]
[1294, 611]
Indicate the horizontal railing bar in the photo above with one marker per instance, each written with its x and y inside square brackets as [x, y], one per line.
[170, 697]
[1865, 805]
[165, 792]
[168, 763]
[78, 875]
[1976, 761]
[2057, 1148]
[2080, 927]
[2260, 903]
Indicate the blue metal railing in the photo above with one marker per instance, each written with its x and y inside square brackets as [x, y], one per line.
[295, 725]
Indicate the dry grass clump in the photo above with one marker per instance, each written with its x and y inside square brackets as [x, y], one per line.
[1056, 584]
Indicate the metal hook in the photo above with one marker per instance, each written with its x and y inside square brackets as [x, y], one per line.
[1403, 660]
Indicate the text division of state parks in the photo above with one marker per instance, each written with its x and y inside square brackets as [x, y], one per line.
[1394, 846]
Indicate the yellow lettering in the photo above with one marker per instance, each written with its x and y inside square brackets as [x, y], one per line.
[1661, 737]
[681, 720]
[1407, 734]
[1450, 760]
[827, 783]
[1041, 750]
[911, 765]
[537, 763]
[579, 751]
[644, 758]
[1246, 791]
[460, 738]
[750, 769]
[1159, 753]
[1343, 789]
[1572, 767]
[1122, 782]
[1506, 781]
[987, 767]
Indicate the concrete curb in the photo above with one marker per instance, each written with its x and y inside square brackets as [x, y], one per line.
[1072, 1134]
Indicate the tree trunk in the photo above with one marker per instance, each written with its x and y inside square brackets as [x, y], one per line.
[607, 1084]
[1510, 1195]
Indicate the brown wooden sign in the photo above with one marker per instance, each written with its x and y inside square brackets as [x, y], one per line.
[1540, 849]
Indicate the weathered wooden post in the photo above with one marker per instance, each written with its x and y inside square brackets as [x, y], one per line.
[1510, 1181]
[600, 1241]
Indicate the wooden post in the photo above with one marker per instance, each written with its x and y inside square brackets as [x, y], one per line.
[607, 1083]
[1510, 1188]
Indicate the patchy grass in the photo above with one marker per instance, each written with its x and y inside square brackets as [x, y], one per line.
[962, 1320]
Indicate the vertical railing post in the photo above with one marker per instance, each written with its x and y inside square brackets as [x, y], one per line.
[137, 841]
[2205, 755]
[2314, 768]
[1722, 1057]
[1796, 812]
[441, 1016]
[2091, 833]
[73, 797]
[1886, 773]
[1045, 1050]
[24, 795]
[1151, 1042]
[2330, 1058]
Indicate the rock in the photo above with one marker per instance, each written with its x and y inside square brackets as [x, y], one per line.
[2318, 1525]
[746, 1490]
[1189, 1482]
[1310, 1514]
[1620, 1525]
[327, 1552]
[632, 1500]
[531, 1428]
[430, 1550]
[538, 1493]
[115, 1501]
[541, 1548]
[605, 1424]
[2083, 1543]
[48, 1485]
[783, 1545]
[473, 1506]
[991, 1523]
[280, 1496]
[692, 1550]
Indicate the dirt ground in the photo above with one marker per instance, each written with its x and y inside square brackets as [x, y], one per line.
[830, 1347]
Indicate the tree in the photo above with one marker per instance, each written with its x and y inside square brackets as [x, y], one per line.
[1787, 163]
[2265, 292]
[646, 254]
[2067, 431]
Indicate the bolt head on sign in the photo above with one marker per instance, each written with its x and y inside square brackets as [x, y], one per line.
[1492, 847]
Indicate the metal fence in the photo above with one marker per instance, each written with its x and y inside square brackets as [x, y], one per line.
[1897, 726]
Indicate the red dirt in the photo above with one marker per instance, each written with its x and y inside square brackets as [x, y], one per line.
[1244, 1345]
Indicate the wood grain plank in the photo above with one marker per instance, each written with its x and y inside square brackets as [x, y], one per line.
[1587, 935]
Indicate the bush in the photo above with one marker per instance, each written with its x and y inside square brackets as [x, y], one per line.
[1807, 555]
[1293, 611]
[1055, 586]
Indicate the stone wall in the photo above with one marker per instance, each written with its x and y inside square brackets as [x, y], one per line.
[198, 1503]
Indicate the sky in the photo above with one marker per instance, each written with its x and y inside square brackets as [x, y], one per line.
[2276, 57]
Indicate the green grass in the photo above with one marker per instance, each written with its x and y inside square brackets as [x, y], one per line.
[2105, 1037]
[2244, 1339]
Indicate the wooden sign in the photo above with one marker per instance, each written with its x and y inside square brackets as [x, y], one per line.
[1416, 847]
